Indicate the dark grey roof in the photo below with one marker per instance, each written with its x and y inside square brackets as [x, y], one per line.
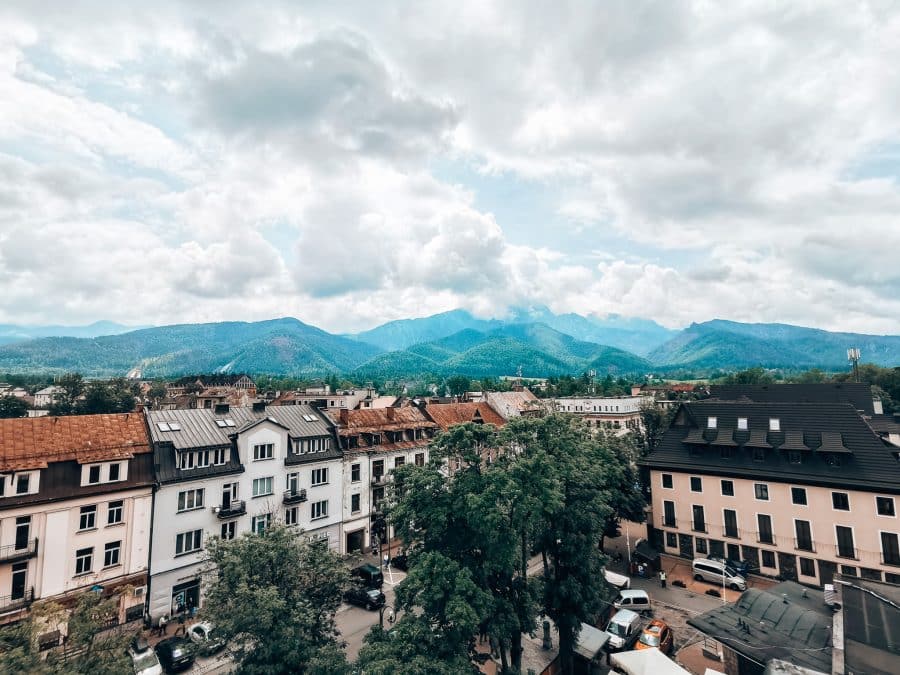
[198, 427]
[885, 424]
[871, 612]
[787, 622]
[870, 464]
[858, 395]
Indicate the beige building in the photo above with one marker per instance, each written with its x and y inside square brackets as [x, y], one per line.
[619, 414]
[800, 490]
[75, 509]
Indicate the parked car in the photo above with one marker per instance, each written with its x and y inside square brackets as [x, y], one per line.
[369, 575]
[718, 573]
[175, 654]
[656, 634]
[207, 639]
[742, 567]
[144, 659]
[617, 580]
[623, 629]
[370, 598]
[636, 601]
[399, 562]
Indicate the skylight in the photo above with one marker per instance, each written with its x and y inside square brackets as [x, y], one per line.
[227, 422]
[163, 426]
[220, 424]
[309, 418]
[174, 426]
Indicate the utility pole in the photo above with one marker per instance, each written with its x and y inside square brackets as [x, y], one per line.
[853, 358]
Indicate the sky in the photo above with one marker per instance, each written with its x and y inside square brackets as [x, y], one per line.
[356, 162]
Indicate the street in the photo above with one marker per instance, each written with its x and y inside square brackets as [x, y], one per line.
[354, 622]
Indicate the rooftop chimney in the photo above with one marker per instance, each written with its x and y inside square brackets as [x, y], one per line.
[259, 406]
[221, 408]
[391, 413]
[344, 416]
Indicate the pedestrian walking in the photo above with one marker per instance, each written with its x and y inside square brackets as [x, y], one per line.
[181, 627]
[662, 578]
[163, 624]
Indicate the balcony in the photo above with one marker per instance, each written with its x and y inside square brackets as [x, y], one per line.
[765, 538]
[848, 552]
[379, 480]
[294, 496]
[9, 604]
[11, 554]
[698, 526]
[235, 508]
[804, 545]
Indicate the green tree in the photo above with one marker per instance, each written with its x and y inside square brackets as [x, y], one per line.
[72, 387]
[409, 648]
[655, 419]
[10, 406]
[458, 385]
[115, 396]
[750, 376]
[274, 596]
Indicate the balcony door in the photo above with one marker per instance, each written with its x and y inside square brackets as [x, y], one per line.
[19, 575]
[23, 532]
[229, 494]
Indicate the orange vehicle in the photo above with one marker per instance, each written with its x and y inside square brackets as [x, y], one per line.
[656, 634]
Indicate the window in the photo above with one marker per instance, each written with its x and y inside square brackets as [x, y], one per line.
[378, 468]
[774, 424]
[84, 561]
[319, 510]
[804, 535]
[262, 486]
[264, 451]
[667, 481]
[848, 570]
[731, 528]
[188, 500]
[701, 545]
[22, 481]
[762, 491]
[114, 470]
[728, 488]
[399, 461]
[420, 459]
[699, 524]
[203, 459]
[890, 548]
[840, 501]
[807, 567]
[798, 496]
[671, 540]
[885, 506]
[354, 473]
[111, 553]
[711, 422]
[188, 542]
[742, 424]
[219, 456]
[768, 559]
[319, 477]
[186, 460]
[696, 484]
[669, 514]
[229, 530]
[377, 496]
[88, 518]
[354, 503]
[94, 474]
[114, 513]
[290, 515]
[845, 547]
[293, 482]
[765, 529]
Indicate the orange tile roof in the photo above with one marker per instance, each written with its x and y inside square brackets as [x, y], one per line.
[380, 419]
[451, 414]
[33, 442]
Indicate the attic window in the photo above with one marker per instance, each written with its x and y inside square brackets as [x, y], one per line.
[774, 424]
[711, 422]
[163, 426]
[742, 424]
[174, 426]
[227, 422]
[309, 418]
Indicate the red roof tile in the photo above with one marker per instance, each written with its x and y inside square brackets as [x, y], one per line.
[451, 414]
[32, 443]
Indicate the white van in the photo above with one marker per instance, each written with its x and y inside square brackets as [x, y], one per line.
[615, 579]
[636, 601]
[718, 573]
[623, 629]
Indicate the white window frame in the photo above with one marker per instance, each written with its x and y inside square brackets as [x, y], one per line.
[292, 515]
[881, 545]
[662, 482]
[768, 496]
[733, 494]
[228, 530]
[263, 452]
[319, 476]
[812, 535]
[691, 485]
[192, 538]
[108, 548]
[268, 482]
[84, 560]
[191, 499]
[265, 519]
[849, 508]
[791, 489]
[91, 518]
[737, 524]
[759, 533]
[220, 456]
[110, 509]
[855, 542]
[318, 510]
[893, 501]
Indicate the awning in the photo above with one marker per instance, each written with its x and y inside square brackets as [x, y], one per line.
[646, 662]
[645, 550]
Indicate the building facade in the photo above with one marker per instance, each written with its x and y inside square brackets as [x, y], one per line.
[225, 471]
[619, 414]
[800, 490]
[75, 509]
[374, 442]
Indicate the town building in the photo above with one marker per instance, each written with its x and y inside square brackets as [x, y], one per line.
[45, 397]
[374, 442]
[75, 508]
[620, 414]
[208, 391]
[225, 471]
[323, 398]
[518, 403]
[792, 480]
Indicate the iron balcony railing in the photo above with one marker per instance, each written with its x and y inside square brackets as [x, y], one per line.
[13, 553]
[236, 507]
[379, 479]
[9, 603]
[294, 496]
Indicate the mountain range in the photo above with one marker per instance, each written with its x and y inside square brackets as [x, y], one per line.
[14, 333]
[534, 339]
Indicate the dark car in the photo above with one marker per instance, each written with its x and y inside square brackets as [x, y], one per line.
[742, 567]
[175, 654]
[370, 598]
[399, 562]
[368, 575]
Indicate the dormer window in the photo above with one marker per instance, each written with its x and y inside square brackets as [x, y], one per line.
[94, 474]
[711, 422]
[742, 424]
[774, 424]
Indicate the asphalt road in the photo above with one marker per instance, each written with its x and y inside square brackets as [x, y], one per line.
[354, 622]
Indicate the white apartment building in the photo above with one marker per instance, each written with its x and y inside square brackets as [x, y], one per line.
[226, 471]
[616, 413]
[75, 507]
